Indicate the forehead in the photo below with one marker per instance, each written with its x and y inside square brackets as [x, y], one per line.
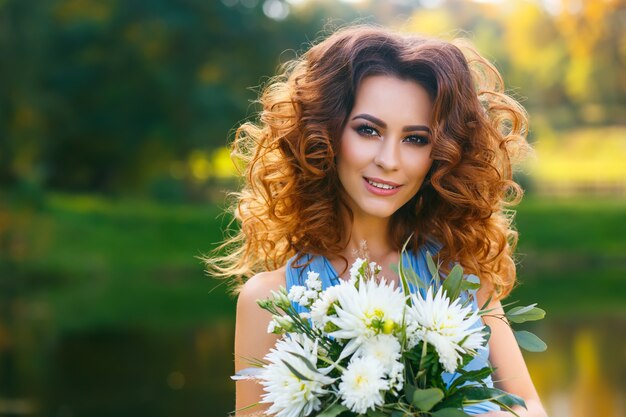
[393, 99]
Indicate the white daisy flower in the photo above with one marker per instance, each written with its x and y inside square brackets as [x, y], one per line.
[288, 393]
[313, 281]
[361, 385]
[296, 292]
[271, 326]
[448, 326]
[321, 308]
[303, 295]
[372, 309]
[355, 269]
[280, 324]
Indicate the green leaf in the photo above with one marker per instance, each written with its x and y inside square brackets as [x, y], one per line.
[487, 333]
[466, 376]
[306, 361]
[376, 413]
[521, 309]
[333, 410]
[452, 283]
[479, 394]
[510, 400]
[450, 412]
[414, 278]
[524, 314]
[469, 286]
[425, 399]
[409, 390]
[402, 274]
[434, 271]
[528, 341]
[295, 372]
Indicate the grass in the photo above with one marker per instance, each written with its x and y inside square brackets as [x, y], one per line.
[95, 262]
[572, 256]
[100, 263]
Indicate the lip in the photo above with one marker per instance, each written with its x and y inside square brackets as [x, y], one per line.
[378, 180]
[380, 191]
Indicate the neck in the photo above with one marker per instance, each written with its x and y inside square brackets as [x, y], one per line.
[374, 231]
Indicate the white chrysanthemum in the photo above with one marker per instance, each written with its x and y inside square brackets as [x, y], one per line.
[372, 309]
[289, 395]
[384, 347]
[396, 376]
[304, 295]
[361, 385]
[448, 326]
[320, 308]
[296, 292]
[313, 281]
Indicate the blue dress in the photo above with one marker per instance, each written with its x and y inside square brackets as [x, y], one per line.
[329, 277]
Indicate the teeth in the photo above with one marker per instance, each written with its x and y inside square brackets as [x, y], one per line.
[383, 186]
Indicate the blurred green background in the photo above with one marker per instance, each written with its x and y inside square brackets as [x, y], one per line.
[114, 121]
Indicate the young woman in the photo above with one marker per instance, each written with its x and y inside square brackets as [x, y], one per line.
[377, 136]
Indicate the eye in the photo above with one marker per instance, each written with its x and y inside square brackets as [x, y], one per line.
[366, 130]
[416, 140]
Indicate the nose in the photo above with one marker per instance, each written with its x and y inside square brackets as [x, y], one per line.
[388, 157]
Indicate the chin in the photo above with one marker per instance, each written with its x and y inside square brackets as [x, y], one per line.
[380, 212]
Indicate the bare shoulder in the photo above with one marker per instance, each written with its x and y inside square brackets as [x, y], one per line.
[261, 286]
[251, 337]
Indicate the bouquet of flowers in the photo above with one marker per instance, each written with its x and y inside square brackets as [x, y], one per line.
[368, 348]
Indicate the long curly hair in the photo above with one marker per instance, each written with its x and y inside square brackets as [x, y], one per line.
[291, 196]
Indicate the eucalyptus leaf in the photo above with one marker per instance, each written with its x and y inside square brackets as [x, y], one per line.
[425, 399]
[409, 390]
[333, 410]
[469, 286]
[524, 314]
[452, 283]
[450, 412]
[528, 341]
[520, 309]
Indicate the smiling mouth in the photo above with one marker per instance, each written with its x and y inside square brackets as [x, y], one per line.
[381, 185]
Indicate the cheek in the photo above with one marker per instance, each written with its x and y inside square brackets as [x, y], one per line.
[419, 165]
[353, 154]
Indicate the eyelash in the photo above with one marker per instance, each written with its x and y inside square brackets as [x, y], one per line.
[361, 131]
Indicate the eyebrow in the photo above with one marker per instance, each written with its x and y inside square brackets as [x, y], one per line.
[376, 120]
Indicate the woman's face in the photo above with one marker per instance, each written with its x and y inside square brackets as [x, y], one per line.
[385, 145]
